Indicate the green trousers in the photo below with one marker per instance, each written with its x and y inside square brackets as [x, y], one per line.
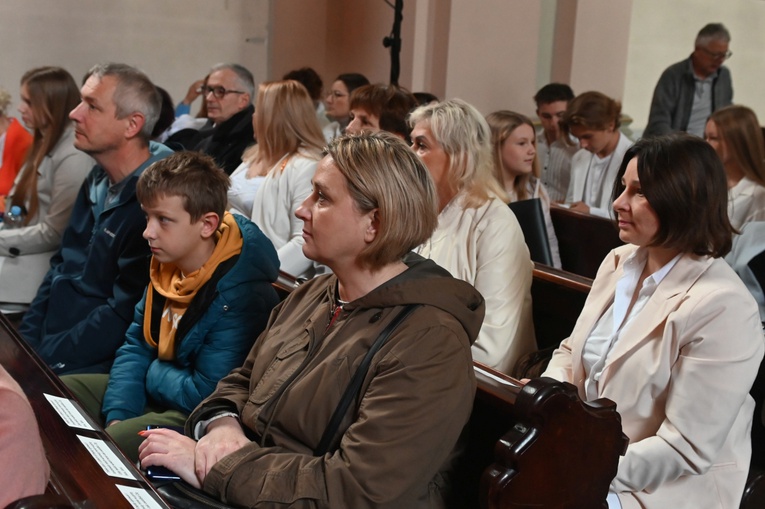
[90, 389]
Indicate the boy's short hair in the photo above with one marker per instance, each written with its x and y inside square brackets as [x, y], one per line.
[553, 92]
[193, 176]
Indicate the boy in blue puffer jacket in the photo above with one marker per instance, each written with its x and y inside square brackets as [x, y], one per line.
[208, 298]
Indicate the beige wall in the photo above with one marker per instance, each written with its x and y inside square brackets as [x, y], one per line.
[174, 41]
[494, 53]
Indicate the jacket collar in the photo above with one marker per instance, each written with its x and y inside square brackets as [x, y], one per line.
[667, 298]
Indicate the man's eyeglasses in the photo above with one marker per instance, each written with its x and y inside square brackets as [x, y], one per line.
[219, 92]
[717, 56]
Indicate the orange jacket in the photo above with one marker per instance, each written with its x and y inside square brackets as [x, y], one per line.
[17, 143]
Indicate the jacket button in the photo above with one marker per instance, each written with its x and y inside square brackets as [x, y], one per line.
[225, 307]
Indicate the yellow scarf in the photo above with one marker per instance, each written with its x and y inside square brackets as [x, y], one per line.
[179, 290]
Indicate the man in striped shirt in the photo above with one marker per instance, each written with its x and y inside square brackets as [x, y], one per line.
[553, 151]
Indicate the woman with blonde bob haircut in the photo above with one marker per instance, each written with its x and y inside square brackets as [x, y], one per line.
[478, 238]
[46, 186]
[382, 180]
[264, 438]
[734, 132]
[275, 176]
[516, 165]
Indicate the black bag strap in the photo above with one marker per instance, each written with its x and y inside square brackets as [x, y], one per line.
[354, 386]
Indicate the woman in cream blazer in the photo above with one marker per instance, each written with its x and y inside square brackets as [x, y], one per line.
[678, 354]
[47, 185]
[478, 238]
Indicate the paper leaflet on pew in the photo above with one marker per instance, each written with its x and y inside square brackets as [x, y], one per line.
[72, 416]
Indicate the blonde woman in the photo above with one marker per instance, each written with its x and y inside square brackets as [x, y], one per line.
[478, 238]
[276, 174]
[516, 165]
[734, 132]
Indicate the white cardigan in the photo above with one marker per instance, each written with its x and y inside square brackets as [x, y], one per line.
[746, 203]
[273, 210]
[485, 247]
[59, 179]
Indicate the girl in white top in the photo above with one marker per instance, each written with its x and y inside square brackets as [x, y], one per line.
[276, 174]
[516, 165]
[478, 238]
[734, 132]
[47, 185]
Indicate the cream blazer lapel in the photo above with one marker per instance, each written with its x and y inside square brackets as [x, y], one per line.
[665, 299]
[601, 296]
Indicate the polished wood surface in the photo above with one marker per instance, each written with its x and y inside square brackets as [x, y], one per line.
[547, 448]
[583, 240]
[75, 475]
[557, 298]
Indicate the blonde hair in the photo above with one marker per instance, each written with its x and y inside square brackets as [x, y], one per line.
[740, 131]
[382, 173]
[502, 124]
[285, 123]
[5, 100]
[464, 135]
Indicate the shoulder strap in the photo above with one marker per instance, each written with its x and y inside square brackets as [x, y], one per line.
[354, 386]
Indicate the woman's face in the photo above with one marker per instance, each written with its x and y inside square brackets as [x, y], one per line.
[518, 151]
[712, 136]
[638, 222]
[25, 109]
[435, 159]
[337, 101]
[334, 230]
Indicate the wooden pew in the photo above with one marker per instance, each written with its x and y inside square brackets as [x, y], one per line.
[538, 444]
[75, 478]
[583, 240]
[558, 298]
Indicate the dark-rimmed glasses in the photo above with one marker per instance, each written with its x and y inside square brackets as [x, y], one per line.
[219, 92]
[715, 55]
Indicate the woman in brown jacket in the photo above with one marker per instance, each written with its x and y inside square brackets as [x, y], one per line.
[260, 432]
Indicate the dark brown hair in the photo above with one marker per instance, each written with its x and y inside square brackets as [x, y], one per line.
[684, 182]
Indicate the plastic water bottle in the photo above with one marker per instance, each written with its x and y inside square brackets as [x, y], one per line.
[14, 218]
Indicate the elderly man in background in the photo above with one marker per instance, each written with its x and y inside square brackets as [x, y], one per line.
[690, 90]
[228, 96]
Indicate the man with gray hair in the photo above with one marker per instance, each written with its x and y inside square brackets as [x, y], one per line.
[690, 90]
[228, 94]
[86, 301]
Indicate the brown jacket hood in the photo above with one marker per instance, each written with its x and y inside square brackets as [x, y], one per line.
[426, 283]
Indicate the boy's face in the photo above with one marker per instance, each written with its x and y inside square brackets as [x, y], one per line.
[172, 236]
[549, 115]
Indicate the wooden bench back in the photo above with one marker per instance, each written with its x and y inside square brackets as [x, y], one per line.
[583, 240]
